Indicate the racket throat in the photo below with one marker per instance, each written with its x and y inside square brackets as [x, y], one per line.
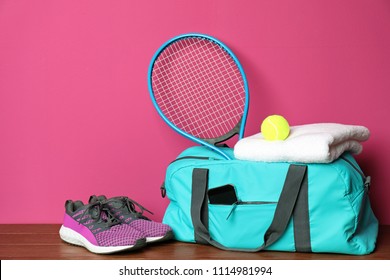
[227, 136]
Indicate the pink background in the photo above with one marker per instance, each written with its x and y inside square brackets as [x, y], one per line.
[75, 114]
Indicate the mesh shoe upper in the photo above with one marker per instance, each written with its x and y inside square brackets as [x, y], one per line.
[96, 223]
[124, 209]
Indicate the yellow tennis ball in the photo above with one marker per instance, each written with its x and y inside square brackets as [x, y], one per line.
[275, 127]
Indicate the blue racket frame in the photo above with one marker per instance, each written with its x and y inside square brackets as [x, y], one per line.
[185, 134]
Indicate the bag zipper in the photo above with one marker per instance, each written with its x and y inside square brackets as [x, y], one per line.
[193, 157]
[240, 202]
[366, 179]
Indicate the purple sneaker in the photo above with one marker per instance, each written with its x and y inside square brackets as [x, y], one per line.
[94, 227]
[123, 208]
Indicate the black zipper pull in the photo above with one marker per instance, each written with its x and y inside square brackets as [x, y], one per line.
[163, 190]
[367, 183]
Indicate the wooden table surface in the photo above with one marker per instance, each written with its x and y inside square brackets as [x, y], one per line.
[42, 242]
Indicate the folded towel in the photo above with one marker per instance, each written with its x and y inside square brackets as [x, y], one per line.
[311, 143]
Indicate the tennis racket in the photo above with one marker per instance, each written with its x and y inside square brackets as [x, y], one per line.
[199, 89]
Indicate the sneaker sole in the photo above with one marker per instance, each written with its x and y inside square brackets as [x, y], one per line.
[167, 236]
[70, 236]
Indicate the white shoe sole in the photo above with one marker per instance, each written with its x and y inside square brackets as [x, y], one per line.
[167, 236]
[73, 237]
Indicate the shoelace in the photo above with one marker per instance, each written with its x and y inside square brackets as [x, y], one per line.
[130, 204]
[103, 214]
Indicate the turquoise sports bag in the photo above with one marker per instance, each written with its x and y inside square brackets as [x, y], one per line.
[252, 206]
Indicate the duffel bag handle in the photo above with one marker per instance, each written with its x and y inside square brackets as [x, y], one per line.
[283, 212]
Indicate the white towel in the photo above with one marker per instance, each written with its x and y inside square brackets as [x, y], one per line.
[311, 143]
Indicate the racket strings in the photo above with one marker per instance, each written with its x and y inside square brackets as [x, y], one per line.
[185, 120]
[182, 86]
[196, 74]
[199, 88]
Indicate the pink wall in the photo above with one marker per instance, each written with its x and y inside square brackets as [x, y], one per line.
[75, 113]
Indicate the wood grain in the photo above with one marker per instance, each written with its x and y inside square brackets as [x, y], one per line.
[42, 242]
